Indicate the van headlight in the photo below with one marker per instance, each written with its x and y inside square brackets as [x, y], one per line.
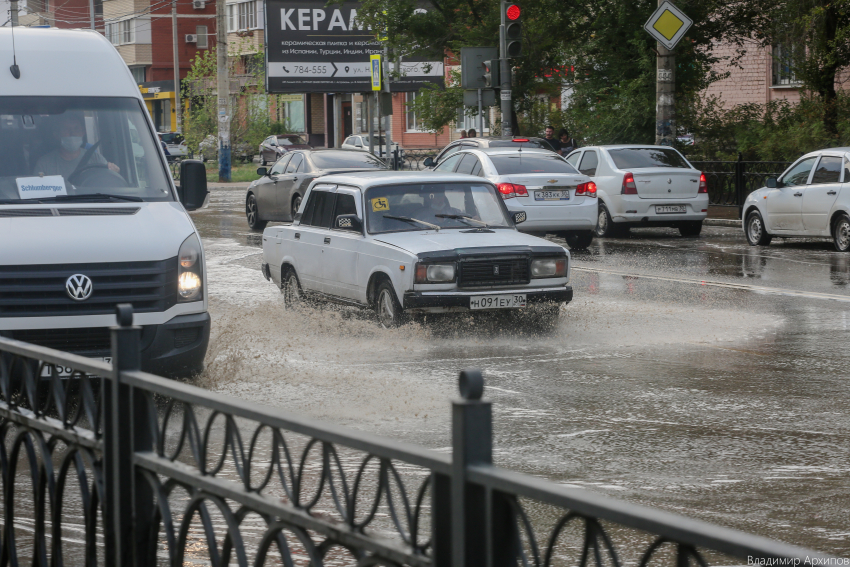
[190, 271]
[435, 273]
[549, 268]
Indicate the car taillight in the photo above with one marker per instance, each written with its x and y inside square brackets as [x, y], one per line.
[511, 190]
[703, 184]
[587, 189]
[520, 140]
[629, 187]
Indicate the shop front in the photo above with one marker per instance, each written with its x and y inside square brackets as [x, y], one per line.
[159, 100]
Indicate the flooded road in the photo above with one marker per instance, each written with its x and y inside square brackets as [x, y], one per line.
[701, 376]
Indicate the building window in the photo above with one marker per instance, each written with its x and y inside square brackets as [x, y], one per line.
[465, 122]
[783, 65]
[413, 124]
[290, 112]
[231, 17]
[138, 72]
[202, 37]
[242, 16]
[120, 33]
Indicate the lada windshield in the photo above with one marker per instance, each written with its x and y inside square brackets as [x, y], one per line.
[87, 149]
[427, 206]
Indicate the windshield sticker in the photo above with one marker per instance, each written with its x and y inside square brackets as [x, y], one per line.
[380, 204]
[41, 187]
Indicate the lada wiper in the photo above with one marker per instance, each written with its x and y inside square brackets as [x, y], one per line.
[463, 217]
[412, 220]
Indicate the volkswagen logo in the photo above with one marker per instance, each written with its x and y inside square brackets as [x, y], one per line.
[78, 287]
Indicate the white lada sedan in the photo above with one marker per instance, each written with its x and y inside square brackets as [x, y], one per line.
[408, 242]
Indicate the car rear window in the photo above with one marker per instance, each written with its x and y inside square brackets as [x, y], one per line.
[531, 163]
[171, 138]
[352, 158]
[636, 158]
[290, 140]
[511, 143]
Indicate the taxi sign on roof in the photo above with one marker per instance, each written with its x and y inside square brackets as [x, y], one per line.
[668, 25]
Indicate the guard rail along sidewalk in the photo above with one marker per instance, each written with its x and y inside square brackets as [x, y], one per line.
[163, 471]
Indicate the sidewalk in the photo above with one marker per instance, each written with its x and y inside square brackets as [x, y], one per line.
[723, 216]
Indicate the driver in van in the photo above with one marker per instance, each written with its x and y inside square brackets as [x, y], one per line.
[65, 160]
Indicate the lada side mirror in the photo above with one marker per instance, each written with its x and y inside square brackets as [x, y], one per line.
[520, 217]
[262, 171]
[349, 222]
[772, 183]
[429, 162]
[192, 190]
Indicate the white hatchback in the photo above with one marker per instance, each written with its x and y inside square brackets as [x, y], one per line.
[808, 199]
[554, 196]
[644, 186]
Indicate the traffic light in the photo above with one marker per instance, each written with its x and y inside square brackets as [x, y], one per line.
[513, 29]
[491, 73]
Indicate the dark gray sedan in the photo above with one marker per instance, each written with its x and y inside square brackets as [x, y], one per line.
[276, 195]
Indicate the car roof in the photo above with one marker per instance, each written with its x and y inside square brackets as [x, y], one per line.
[845, 150]
[628, 146]
[509, 150]
[367, 179]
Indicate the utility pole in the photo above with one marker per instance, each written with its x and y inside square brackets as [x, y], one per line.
[665, 95]
[223, 84]
[91, 14]
[388, 127]
[178, 102]
[14, 15]
[505, 78]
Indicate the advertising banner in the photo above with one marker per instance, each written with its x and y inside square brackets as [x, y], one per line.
[315, 47]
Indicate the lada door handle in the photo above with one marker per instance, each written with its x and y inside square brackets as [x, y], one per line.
[297, 236]
[830, 192]
[798, 194]
[327, 240]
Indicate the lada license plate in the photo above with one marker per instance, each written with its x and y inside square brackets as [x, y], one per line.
[66, 371]
[662, 209]
[552, 195]
[512, 301]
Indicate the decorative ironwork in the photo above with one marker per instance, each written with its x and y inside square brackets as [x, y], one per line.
[170, 472]
[729, 182]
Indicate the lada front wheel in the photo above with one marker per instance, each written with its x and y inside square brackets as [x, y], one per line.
[387, 308]
[841, 234]
[755, 231]
[291, 290]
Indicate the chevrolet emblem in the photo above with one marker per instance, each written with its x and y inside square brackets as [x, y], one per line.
[552, 181]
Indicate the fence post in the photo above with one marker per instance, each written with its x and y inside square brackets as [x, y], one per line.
[122, 432]
[395, 160]
[472, 444]
[739, 183]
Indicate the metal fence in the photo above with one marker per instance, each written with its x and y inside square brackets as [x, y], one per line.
[167, 472]
[729, 182]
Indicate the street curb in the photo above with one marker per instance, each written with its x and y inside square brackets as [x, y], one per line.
[722, 222]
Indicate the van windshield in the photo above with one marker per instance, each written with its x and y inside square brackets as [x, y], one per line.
[55, 149]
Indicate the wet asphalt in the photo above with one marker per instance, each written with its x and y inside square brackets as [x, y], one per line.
[699, 375]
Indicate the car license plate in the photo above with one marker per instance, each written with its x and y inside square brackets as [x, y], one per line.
[66, 371]
[662, 209]
[552, 195]
[513, 301]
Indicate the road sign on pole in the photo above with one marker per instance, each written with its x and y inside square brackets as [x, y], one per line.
[375, 62]
[668, 24]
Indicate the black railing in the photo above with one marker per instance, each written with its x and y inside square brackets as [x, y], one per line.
[411, 159]
[167, 472]
[729, 182]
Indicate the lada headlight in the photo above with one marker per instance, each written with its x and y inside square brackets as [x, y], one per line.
[190, 274]
[435, 273]
[549, 268]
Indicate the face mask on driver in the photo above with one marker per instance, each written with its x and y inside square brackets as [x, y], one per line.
[71, 143]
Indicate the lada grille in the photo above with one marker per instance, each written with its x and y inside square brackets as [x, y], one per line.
[39, 290]
[499, 271]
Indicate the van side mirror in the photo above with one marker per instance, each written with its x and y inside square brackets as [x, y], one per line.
[349, 222]
[262, 171]
[429, 162]
[520, 217]
[192, 190]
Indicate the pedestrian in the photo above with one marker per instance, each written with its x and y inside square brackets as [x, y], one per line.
[463, 134]
[472, 133]
[553, 142]
[568, 143]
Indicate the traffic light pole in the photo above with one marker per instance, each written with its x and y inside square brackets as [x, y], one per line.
[505, 80]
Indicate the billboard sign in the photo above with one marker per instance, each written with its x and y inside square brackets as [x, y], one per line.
[312, 46]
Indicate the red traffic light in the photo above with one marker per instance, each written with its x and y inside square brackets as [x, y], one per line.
[513, 12]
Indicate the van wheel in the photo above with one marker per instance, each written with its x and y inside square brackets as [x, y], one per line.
[252, 213]
[841, 233]
[387, 308]
[579, 239]
[690, 228]
[290, 287]
[755, 230]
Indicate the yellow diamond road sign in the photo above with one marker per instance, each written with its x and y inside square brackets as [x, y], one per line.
[668, 25]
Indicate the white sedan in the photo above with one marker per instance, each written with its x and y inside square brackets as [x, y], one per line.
[555, 197]
[411, 242]
[806, 200]
[644, 186]
[361, 143]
